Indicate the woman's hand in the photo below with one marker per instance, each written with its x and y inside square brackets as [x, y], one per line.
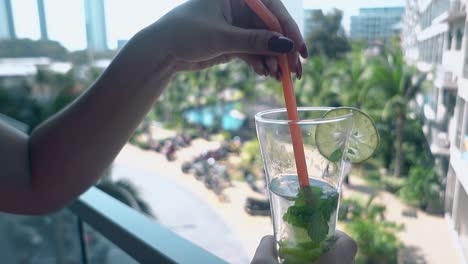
[202, 33]
[342, 252]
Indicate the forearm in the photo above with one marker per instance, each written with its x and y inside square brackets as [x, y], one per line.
[71, 150]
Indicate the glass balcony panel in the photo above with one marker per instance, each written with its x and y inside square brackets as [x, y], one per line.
[102, 251]
[45, 239]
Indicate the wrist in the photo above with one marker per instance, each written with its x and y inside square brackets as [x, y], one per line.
[142, 65]
[150, 47]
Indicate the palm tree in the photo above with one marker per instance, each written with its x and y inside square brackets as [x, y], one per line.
[394, 84]
[219, 79]
[127, 193]
[124, 191]
[353, 75]
[316, 88]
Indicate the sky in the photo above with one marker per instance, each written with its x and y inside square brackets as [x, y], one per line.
[65, 19]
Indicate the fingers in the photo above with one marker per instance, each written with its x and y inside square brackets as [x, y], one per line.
[290, 27]
[291, 30]
[343, 251]
[257, 41]
[266, 251]
[272, 65]
[347, 246]
[294, 63]
[262, 65]
[299, 69]
[256, 62]
[208, 63]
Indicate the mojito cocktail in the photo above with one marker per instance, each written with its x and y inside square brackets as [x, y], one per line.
[304, 217]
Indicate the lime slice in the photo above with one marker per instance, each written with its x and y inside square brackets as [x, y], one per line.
[331, 137]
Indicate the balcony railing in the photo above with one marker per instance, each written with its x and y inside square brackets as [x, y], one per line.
[140, 237]
[440, 145]
[457, 10]
[446, 79]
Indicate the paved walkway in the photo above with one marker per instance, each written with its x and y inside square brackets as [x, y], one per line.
[184, 205]
[426, 237]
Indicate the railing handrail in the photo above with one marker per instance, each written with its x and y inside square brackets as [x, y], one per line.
[136, 234]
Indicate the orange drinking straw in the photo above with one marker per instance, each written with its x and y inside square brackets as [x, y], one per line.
[273, 24]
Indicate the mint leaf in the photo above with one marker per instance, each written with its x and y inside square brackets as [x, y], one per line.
[329, 205]
[298, 215]
[336, 155]
[299, 255]
[309, 218]
[309, 245]
[317, 228]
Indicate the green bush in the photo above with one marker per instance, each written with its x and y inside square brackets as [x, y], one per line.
[374, 178]
[377, 241]
[350, 209]
[376, 237]
[250, 153]
[422, 188]
[386, 182]
[226, 135]
[392, 184]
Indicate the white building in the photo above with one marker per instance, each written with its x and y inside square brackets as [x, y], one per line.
[376, 23]
[435, 39]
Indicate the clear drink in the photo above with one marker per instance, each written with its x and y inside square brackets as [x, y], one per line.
[304, 220]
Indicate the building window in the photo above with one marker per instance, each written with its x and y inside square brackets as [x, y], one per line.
[450, 100]
[435, 98]
[461, 222]
[460, 112]
[449, 40]
[459, 38]
[450, 191]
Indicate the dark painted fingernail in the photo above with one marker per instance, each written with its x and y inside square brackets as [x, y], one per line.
[280, 44]
[278, 75]
[304, 52]
[299, 70]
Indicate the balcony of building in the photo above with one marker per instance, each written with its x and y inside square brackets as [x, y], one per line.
[459, 162]
[437, 136]
[456, 11]
[459, 141]
[453, 58]
[436, 108]
[456, 204]
[445, 79]
[96, 228]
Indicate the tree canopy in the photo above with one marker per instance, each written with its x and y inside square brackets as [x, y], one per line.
[20, 48]
[327, 36]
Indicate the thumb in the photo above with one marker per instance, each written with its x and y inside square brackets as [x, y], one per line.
[266, 252]
[256, 41]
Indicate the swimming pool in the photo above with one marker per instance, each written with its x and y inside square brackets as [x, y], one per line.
[207, 116]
